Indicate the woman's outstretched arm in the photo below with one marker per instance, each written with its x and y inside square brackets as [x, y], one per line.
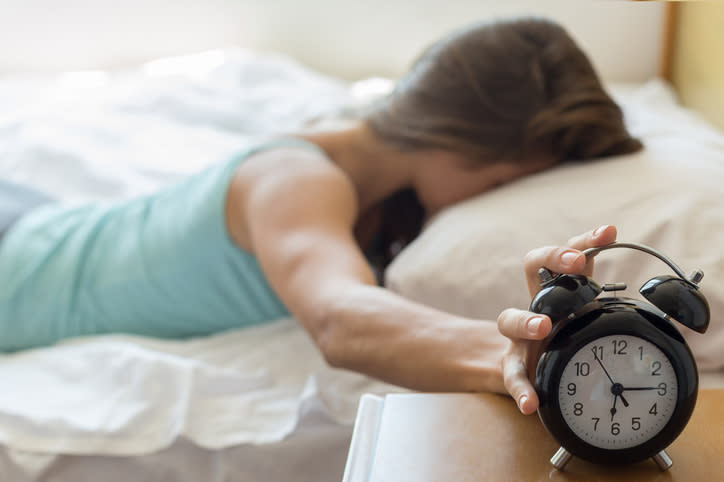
[300, 226]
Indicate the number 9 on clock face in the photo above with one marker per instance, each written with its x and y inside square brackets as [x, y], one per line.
[617, 392]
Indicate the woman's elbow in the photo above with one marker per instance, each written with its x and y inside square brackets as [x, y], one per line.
[327, 328]
[331, 345]
[336, 314]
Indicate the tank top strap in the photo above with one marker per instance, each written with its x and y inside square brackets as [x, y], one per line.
[286, 141]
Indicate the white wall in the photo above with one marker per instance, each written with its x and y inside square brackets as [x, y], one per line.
[348, 38]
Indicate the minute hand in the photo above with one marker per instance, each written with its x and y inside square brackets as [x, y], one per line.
[604, 368]
[613, 385]
[640, 388]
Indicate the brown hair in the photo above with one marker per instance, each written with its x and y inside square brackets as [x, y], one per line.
[504, 91]
[513, 90]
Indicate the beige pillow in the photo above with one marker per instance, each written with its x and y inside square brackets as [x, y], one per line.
[468, 260]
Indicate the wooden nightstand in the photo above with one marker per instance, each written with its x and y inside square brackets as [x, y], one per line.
[465, 437]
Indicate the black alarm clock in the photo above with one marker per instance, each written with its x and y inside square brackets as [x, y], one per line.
[617, 382]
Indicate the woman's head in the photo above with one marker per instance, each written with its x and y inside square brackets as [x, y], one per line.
[507, 91]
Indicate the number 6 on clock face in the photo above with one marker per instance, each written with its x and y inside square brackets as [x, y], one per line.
[617, 392]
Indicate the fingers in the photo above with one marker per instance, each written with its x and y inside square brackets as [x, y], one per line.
[568, 259]
[556, 259]
[598, 237]
[519, 324]
[515, 379]
[523, 328]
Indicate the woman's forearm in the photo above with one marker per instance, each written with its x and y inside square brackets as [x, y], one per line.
[374, 331]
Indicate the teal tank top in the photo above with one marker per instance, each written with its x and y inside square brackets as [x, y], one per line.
[161, 265]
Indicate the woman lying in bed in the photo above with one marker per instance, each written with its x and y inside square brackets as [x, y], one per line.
[298, 224]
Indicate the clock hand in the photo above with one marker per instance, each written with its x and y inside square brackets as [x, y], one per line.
[617, 388]
[604, 368]
[625, 402]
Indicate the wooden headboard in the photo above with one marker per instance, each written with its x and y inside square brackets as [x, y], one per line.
[695, 65]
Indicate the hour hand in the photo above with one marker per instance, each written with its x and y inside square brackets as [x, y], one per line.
[617, 390]
[613, 409]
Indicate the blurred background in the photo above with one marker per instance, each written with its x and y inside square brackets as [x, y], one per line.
[630, 41]
[347, 39]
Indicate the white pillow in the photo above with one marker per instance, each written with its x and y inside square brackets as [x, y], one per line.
[670, 196]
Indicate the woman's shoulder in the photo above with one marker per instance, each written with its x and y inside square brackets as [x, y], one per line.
[295, 176]
[291, 163]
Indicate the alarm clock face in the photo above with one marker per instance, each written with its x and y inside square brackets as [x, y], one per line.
[617, 392]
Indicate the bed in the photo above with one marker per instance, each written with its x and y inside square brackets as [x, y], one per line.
[260, 403]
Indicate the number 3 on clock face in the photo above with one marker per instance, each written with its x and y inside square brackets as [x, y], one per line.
[617, 392]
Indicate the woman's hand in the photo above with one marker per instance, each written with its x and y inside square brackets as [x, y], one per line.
[524, 328]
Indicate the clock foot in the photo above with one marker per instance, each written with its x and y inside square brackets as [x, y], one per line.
[663, 460]
[561, 458]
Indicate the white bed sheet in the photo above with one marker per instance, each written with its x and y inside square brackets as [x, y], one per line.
[128, 395]
[253, 404]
